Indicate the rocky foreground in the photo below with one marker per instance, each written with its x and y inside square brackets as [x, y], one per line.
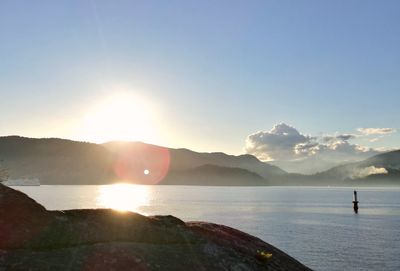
[32, 238]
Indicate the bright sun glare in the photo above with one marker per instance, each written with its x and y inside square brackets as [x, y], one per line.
[120, 117]
[123, 197]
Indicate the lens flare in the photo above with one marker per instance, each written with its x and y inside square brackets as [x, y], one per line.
[142, 163]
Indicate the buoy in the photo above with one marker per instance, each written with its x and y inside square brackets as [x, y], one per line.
[355, 202]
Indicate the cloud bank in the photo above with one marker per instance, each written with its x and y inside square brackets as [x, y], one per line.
[286, 144]
[365, 172]
[279, 143]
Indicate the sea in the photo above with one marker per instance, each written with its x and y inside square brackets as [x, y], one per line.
[315, 225]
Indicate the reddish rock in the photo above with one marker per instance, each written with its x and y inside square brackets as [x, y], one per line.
[32, 238]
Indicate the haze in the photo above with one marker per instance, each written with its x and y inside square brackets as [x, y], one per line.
[303, 84]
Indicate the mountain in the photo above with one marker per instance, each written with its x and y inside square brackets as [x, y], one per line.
[382, 169]
[183, 159]
[183, 166]
[308, 166]
[60, 161]
[389, 160]
[56, 161]
[214, 175]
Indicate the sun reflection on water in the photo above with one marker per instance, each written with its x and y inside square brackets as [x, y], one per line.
[123, 197]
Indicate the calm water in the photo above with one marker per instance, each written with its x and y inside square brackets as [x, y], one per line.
[315, 225]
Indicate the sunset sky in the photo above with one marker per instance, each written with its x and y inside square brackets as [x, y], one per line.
[279, 79]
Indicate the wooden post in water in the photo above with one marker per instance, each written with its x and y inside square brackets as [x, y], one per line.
[355, 202]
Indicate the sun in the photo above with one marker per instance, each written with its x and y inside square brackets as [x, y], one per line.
[120, 117]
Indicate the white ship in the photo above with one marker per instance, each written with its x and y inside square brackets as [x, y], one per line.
[22, 182]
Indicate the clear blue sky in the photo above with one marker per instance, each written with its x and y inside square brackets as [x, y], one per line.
[215, 71]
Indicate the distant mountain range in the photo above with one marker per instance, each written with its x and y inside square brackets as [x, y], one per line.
[60, 161]
[382, 169]
[308, 166]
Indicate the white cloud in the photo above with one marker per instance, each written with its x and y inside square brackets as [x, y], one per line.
[277, 144]
[376, 131]
[284, 143]
[365, 172]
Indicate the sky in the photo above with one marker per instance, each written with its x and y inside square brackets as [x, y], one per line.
[271, 78]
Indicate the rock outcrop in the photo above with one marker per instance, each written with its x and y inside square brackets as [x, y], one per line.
[32, 238]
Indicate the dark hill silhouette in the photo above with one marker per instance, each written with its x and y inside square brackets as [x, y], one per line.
[183, 159]
[388, 160]
[214, 175]
[187, 159]
[56, 161]
[60, 161]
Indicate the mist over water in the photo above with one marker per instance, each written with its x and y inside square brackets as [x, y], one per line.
[315, 225]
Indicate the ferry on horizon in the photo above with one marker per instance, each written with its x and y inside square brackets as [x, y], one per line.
[22, 182]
